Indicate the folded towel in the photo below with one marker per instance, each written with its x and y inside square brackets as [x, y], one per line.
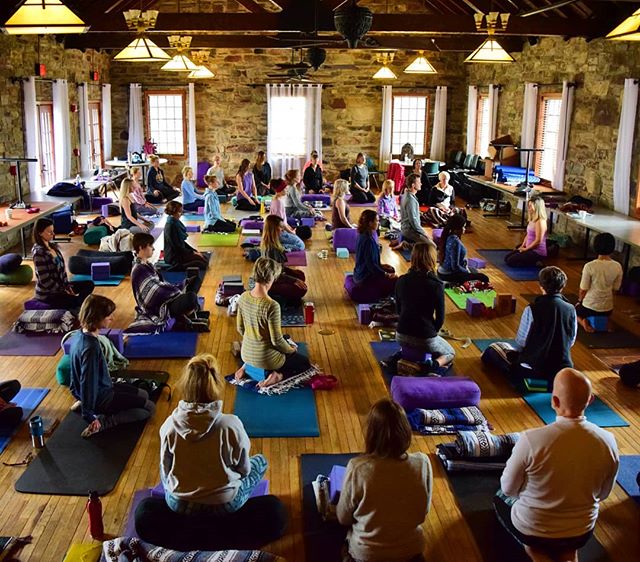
[471, 444]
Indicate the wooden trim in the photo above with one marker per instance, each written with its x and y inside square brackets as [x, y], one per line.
[147, 124]
[542, 98]
[46, 106]
[100, 139]
[426, 120]
[482, 98]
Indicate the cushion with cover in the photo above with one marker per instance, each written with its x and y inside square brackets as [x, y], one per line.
[63, 370]
[50, 321]
[434, 392]
[120, 262]
[94, 234]
[20, 276]
[10, 262]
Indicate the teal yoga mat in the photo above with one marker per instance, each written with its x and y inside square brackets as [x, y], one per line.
[193, 217]
[628, 474]
[113, 281]
[28, 399]
[598, 412]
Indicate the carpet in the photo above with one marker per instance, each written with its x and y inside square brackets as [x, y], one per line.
[496, 258]
[460, 299]
[597, 412]
[28, 399]
[30, 344]
[161, 346]
[113, 281]
[628, 474]
[217, 239]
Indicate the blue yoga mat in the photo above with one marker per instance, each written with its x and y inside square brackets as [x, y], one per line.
[598, 412]
[382, 350]
[628, 474]
[161, 346]
[406, 254]
[114, 280]
[496, 258]
[193, 217]
[28, 399]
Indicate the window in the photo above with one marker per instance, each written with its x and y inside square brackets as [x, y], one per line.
[483, 127]
[409, 123]
[288, 125]
[95, 136]
[166, 120]
[547, 130]
[47, 156]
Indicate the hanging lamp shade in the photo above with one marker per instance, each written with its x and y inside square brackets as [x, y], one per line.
[385, 73]
[180, 63]
[142, 49]
[490, 52]
[42, 17]
[420, 66]
[628, 30]
[201, 72]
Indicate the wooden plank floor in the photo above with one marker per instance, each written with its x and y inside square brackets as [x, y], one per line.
[56, 522]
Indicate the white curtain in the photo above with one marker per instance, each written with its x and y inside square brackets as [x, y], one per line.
[493, 110]
[385, 136]
[136, 126]
[85, 135]
[439, 124]
[32, 132]
[529, 110]
[61, 129]
[566, 108]
[281, 126]
[106, 122]
[472, 117]
[624, 148]
[193, 143]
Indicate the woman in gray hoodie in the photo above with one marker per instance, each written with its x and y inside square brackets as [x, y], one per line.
[204, 454]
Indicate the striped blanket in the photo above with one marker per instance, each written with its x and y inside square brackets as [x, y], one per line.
[49, 321]
[474, 444]
[454, 462]
[297, 381]
[448, 420]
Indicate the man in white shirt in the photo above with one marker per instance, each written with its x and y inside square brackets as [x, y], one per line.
[557, 476]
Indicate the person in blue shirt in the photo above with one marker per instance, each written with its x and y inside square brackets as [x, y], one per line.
[213, 220]
[192, 197]
[452, 254]
[103, 403]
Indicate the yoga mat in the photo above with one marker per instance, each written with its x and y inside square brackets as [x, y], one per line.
[293, 316]
[474, 493]
[114, 280]
[597, 412]
[217, 239]
[406, 254]
[28, 399]
[297, 258]
[82, 552]
[496, 258]
[156, 232]
[614, 362]
[323, 540]
[193, 217]
[176, 277]
[70, 465]
[460, 299]
[628, 475]
[30, 344]
[161, 346]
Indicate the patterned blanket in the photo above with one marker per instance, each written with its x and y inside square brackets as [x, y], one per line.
[49, 321]
[448, 420]
[473, 444]
[454, 462]
[285, 385]
[125, 548]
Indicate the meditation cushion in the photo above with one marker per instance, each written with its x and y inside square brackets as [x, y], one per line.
[35, 304]
[10, 262]
[312, 198]
[258, 522]
[434, 392]
[120, 262]
[63, 370]
[20, 276]
[94, 234]
[303, 232]
[49, 321]
[252, 225]
[345, 238]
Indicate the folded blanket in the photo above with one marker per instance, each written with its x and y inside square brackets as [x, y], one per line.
[449, 429]
[49, 321]
[452, 462]
[285, 385]
[127, 548]
[471, 444]
[470, 415]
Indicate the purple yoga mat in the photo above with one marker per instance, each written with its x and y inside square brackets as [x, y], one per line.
[13, 343]
[372, 205]
[297, 258]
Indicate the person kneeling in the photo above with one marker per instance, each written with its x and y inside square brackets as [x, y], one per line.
[198, 433]
[103, 404]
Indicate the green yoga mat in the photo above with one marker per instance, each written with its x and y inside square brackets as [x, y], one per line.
[208, 239]
[460, 299]
[113, 281]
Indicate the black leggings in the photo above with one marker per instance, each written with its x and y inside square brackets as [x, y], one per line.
[221, 225]
[183, 305]
[11, 416]
[127, 405]
[523, 259]
[462, 276]
[193, 206]
[359, 196]
[294, 364]
[244, 205]
[71, 302]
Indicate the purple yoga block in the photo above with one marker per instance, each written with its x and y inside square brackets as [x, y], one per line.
[98, 202]
[193, 227]
[434, 392]
[364, 313]
[476, 263]
[345, 238]
[414, 355]
[253, 225]
[201, 302]
[474, 307]
[104, 210]
[35, 304]
[200, 211]
[308, 221]
[436, 233]
[599, 323]
[100, 271]
[336, 480]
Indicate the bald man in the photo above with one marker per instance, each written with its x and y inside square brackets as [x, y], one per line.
[557, 476]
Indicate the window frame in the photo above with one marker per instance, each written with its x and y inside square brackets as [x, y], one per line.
[426, 122]
[540, 126]
[92, 141]
[147, 121]
[48, 107]
[482, 99]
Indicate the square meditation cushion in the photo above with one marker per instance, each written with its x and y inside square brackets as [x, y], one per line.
[35, 304]
[434, 392]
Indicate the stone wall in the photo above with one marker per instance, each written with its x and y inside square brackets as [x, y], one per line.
[18, 56]
[232, 108]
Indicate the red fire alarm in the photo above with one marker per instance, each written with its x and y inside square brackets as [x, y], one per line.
[41, 70]
[94, 75]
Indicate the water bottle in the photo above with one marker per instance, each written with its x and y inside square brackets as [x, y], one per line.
[94, 509]
[36, 428]
[77, 179]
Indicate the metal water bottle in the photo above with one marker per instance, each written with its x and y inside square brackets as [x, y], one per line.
[36, 428]
[94, 509]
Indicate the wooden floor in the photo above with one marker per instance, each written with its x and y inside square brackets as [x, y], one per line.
[55, 522]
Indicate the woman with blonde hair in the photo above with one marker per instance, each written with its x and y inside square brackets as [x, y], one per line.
[246, 192]
[387, 204]
[128, 212]
[142, 206]
[205, 465]
[340, 212]
[192, 197]
[533, 249]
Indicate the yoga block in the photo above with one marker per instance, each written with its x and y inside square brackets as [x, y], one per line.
[436, 234]
[192, 227]
[434, 392]
[255, 373]
[336, 480]
[345, 238]
[342, 253]
[474, 307]
[364, 313]
[476, 263]
[504, 304]
[414, 355]
[100, 271]
[35, 304]
[308, 221]
[200, 211]
[104, 210]
[201, 302]
[599, 323]
[98, 202]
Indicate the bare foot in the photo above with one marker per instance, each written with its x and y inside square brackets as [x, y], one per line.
[273, 378]
[239, 374]
[586, 326]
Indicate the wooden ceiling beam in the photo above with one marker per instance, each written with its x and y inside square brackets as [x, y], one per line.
[253, 7]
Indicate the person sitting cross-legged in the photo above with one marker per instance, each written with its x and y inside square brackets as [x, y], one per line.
[557, 475]
[213, 219]
[452, 254]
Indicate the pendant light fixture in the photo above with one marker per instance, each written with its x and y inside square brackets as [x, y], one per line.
[490, 51]
[180, 61]
[420, 66]
[628, 30]
[200, 59]
[141, 49]
[43, 17]
[385, 73]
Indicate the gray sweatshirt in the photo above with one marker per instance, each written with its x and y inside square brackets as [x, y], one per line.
[203, 453]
